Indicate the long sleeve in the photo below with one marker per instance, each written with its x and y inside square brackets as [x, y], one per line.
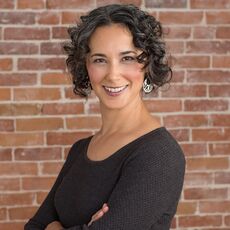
[47, 212]
[147, 193]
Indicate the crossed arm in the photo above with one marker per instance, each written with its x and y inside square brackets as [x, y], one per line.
[145, 196]
[99, 214]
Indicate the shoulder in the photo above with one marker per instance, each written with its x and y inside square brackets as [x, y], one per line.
[158, 148]
[77, 148]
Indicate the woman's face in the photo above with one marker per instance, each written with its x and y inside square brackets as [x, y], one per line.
[115, 75]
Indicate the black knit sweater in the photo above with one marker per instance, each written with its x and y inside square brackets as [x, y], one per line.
[141, 183]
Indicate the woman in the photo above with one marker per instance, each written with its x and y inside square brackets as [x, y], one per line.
[129, 175]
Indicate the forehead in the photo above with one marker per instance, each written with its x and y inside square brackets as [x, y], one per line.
[114, 36]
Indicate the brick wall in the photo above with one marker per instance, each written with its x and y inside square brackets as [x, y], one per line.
[40, 117]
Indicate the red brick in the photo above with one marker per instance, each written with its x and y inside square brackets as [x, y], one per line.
[198, 178]
[71, 4]
[16, 199]
[6, 64]
[12, 226]
[31, 124]
[227, 220]
[202, 32]
[18, 48]
[185, 91]
[206, 76]
[4, 94]
[63, 108]
[221, 61]
[21, 213]
[178, 76]
[70, 94]
[185, 120]
[19, 109]
[191, 61]
[222, 178]
[180, 134]
[5, 154]
[219, 90]
[205, 194]
[48, 18]
[51, 48]
[71, 17]
[214, 206]
[175, 47]
[28, 4]
[198, 221]
[37, 183]
[210, 4]
[6, 125]
[219, 149]
[205, 105]
[181, 18]
[38, 154]
[9, 184]
[211, 134]
[21, 139]
[218, 17]
[160, 105]
[105, 2]
[65, 138]
[41, 64]
[91, 122]
[223, 32]
[26, 33]
[20, 18]
[9, 4]
[59, 33]
[7, 169]
[41, 196]
[207, 47]
[56, 79]
[173, 223]
[3, 213]
[29, 94]
[177, 32]
[166, 3]
[13, 79]
[51, 168]
[220, 119]
[207, 163]
[194, 149]
[186, 208]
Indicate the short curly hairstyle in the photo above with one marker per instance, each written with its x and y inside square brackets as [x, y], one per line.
[147, 36]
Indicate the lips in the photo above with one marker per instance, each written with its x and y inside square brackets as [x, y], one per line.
[114, 90]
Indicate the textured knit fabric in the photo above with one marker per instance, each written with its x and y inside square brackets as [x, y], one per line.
[141, 183]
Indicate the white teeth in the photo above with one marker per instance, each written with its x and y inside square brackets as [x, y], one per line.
[115, 89]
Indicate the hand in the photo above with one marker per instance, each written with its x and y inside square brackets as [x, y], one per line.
[54, 226]
[99, 213]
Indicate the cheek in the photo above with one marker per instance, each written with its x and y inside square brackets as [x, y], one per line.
[135, 74]
[95, 74]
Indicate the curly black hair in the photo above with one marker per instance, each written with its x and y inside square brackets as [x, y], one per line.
[147, 36]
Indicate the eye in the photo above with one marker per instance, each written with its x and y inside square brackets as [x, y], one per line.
[128, 58]
[99, 60]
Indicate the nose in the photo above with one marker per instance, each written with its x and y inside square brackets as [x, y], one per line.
[114, 71]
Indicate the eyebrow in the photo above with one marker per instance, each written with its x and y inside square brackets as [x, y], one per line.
[121, 53]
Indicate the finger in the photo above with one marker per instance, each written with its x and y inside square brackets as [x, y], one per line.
[98, 215]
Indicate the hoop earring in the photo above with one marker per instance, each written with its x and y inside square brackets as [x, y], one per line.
[147, 85]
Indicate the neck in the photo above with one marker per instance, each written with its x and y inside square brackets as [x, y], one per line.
[125, 119]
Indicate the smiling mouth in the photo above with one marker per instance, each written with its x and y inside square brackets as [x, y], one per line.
[115, 89]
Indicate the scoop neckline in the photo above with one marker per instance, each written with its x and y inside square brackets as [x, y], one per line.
[120, 149]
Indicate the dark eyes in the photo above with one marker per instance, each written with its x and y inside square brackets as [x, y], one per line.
[128, 58]
[124, 59]
[99, 60]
